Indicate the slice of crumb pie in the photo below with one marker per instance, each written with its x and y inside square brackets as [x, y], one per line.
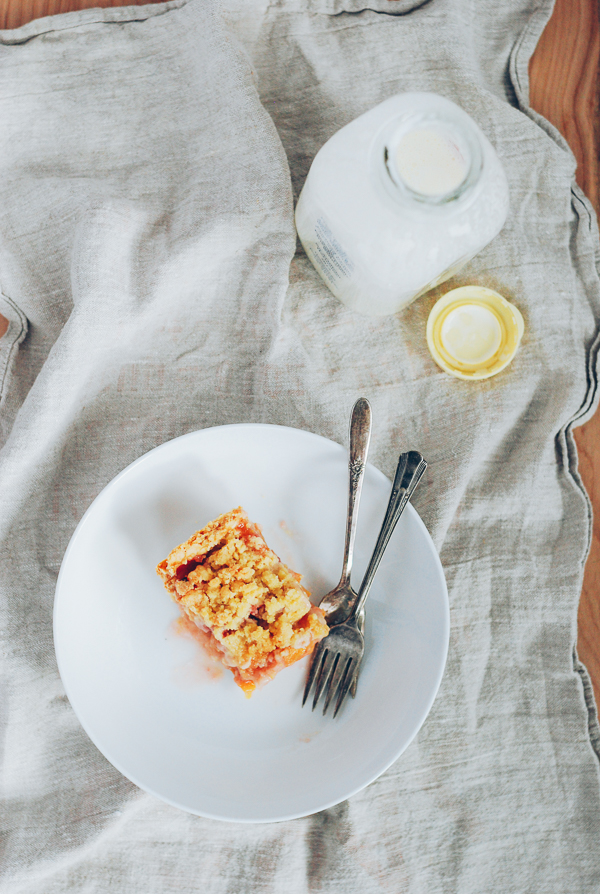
[254, 614]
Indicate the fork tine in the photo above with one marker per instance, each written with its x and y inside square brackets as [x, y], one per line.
[334, 680]
[324, 672]
[350, 676]
[354, 683]
[315, 665]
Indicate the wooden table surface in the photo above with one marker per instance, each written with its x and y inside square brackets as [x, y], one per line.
[564, 81]
[564, 87]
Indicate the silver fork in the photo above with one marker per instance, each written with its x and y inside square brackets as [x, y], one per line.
[337, 604]
[336, 662]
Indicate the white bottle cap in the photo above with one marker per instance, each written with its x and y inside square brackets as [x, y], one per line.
[473, 332]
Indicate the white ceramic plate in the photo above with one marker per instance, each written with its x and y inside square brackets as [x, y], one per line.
[156, 706]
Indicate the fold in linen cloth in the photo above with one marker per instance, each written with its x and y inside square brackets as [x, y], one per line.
[149, 270]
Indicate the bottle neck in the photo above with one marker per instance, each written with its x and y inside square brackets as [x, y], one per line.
[431, 161]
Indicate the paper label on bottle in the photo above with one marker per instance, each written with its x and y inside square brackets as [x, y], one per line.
[329, 256]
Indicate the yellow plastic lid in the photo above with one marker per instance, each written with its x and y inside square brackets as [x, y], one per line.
[473, 332]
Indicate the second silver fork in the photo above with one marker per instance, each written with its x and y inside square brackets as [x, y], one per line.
[337, 658]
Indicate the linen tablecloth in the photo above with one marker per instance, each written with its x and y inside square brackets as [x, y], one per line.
[149, 267]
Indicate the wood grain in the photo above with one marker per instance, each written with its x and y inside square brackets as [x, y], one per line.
[14, 13]
[564, 84]
[564, 73]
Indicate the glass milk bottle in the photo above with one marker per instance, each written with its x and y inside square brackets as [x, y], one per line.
[399, 200]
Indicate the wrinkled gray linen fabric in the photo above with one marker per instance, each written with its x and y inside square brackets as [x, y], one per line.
[149, 270]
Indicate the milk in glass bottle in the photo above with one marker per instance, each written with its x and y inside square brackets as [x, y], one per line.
[399, 200]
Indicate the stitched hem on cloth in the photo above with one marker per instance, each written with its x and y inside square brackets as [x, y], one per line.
[519, 76]
[385, 7]
[10, 341]
[588, 692]
[64, 21]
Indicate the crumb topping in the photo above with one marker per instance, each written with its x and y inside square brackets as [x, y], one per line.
[226, 578]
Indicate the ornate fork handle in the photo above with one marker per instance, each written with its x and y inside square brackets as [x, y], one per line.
[337, 603]
[360, 435]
